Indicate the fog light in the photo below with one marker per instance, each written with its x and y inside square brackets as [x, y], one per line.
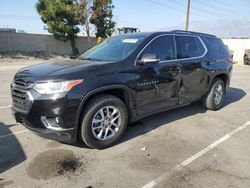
[51, 122]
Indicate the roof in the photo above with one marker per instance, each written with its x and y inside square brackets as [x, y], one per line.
[145, 34]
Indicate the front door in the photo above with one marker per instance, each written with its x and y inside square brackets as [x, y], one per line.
[157, 83]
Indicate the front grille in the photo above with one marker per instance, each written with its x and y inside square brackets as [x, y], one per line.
[22, 85]
[21, 100]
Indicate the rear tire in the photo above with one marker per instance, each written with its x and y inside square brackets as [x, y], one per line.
[213, 100]
[104, 121]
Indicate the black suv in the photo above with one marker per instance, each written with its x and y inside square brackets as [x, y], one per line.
[119, 81]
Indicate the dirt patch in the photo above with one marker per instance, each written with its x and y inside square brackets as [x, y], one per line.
[57, 162]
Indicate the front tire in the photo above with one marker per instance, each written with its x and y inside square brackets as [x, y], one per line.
[104, 121]
[213, 100]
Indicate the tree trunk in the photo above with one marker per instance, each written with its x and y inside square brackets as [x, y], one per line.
[75, 51]
[87, 29]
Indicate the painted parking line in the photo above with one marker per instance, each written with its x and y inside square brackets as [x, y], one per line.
[164, 176]
[5, 96]
[1, 107]
[14, 133]
[8, 67]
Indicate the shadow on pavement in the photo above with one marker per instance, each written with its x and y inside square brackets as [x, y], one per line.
[233, 95]
[152, 122]
[11, 152]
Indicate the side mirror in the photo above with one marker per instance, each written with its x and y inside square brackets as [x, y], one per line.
[74, 56]
[148, 59]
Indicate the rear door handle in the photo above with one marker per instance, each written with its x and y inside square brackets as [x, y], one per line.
[178, 68]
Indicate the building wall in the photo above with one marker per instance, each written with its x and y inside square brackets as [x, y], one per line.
[238, 46]
[23, 42]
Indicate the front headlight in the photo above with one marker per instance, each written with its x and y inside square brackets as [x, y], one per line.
[56, 87]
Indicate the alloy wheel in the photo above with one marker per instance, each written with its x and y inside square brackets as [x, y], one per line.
[106, 123]
[218, 94]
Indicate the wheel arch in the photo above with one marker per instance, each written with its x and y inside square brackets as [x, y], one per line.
[225, 79]
[120, 91]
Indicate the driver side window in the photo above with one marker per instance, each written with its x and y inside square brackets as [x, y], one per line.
[162, 48]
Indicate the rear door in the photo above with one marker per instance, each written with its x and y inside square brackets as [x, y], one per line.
[190, 52]
[219, 59]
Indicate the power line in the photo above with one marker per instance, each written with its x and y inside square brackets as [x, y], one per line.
[215, 9]
[233, 7]
[214, 13]
[182, 10]
[164, 5]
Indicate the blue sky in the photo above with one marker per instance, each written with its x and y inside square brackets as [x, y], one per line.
[147, 15]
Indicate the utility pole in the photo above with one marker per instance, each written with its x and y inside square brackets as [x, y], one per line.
[187, 17]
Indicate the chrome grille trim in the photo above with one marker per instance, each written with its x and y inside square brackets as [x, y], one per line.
[16, 93]
[21, 98]
[22, 85]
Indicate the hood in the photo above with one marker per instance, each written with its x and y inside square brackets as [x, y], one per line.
[58, 69]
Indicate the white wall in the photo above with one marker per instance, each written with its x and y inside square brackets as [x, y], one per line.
[238, 46]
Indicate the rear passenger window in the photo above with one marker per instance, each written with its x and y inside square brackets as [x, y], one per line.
[189, 47]
[216, 48]
[162, 47]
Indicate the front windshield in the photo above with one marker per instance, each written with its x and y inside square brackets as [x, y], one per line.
[113, 49]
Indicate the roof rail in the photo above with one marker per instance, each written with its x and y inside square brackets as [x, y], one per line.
[181, 31]
[192, 32]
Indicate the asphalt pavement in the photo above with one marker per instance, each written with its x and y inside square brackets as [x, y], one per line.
[185, 147]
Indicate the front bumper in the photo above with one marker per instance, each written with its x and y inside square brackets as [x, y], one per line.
[43, 108]
[66, 135]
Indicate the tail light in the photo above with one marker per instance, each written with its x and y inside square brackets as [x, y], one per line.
[230, 60]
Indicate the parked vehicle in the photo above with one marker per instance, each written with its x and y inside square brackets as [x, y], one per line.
[247, 57]
[120, 81]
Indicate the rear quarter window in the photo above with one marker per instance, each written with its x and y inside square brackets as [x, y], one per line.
[189, 47]
[216, 48]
